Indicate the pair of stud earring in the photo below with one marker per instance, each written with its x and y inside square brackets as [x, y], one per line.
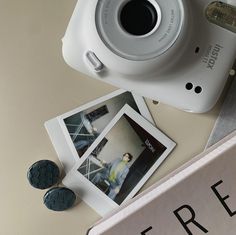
[44, 174]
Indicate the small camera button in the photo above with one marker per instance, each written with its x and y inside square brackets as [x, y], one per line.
[94, 62]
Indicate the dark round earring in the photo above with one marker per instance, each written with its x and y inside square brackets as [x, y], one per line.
[43, 174]
[59, 199]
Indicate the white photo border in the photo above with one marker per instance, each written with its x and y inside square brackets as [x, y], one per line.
[93, 196]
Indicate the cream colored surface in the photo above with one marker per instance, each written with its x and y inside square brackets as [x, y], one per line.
[36, 85]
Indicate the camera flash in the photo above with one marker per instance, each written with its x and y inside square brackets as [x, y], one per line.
[222, 14]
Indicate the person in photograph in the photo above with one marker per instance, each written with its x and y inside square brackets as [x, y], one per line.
[114, 174]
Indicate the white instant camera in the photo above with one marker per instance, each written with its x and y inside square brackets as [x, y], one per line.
[166, 50]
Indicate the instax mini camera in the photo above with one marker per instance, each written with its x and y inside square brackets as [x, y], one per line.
[166, 50]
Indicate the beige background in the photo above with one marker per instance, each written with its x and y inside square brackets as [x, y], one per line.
[36, 85]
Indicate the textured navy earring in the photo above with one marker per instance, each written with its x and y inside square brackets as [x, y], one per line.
[43, 174]
[59, 199]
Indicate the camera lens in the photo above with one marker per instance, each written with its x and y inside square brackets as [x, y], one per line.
[138, 17]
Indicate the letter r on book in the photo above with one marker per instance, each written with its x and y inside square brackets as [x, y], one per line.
[191, 220]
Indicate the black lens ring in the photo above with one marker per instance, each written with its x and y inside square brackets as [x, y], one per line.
[138, 17]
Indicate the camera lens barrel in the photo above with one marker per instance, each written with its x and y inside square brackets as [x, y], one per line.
[139, 29]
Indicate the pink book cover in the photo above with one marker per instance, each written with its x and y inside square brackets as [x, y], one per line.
[198, 198]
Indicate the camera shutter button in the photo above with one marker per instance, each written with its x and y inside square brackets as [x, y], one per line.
[94, 62]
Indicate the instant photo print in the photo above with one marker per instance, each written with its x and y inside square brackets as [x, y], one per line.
[73, 132]
[119, 161]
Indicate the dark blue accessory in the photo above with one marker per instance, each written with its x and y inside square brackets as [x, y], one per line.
[59, 199]
[43, 174]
